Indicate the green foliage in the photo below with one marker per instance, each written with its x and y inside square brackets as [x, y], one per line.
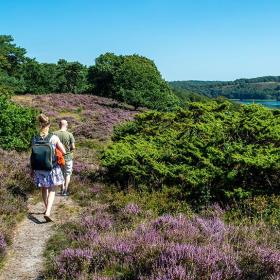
[37, 78]
[133, 79]
[5, 91]
[265, 208]
[256, 88]
[11, 83]
[11, 56]
[17, 125]
[211, 150]
[167, 200]
[26, 75]
[101, 75]
[49, 77]
[72, 77]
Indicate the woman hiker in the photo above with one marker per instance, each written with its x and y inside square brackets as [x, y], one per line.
[47, 173]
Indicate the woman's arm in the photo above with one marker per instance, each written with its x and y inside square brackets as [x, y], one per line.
[60, 147]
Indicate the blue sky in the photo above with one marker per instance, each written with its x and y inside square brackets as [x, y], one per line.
[187, 39]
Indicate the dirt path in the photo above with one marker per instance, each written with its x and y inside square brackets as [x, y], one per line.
[25, 257]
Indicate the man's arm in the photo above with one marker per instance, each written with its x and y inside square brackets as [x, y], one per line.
[72, 143]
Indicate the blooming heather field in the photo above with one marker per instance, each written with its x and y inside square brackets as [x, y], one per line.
[134, 244]
[15, 186]
[91, 120]
[137, 235]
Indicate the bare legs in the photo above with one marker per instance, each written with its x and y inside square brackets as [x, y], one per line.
[45, 193]
[67, 171]
[67, 181]
[48, 195]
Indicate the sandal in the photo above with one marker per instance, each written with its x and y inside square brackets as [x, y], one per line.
[48, 219]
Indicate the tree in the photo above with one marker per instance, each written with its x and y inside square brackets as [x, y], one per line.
[72, 77]
[102, 75]
[17, 123]
[134, 79]
[11, 56]
[33, 76]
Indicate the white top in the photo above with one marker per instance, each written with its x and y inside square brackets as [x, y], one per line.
[54, 140]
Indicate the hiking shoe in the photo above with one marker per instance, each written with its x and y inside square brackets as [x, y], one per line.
[65, 193]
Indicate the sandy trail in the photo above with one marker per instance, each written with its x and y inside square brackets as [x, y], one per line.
[25, 257]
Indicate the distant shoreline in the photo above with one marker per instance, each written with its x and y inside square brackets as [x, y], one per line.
[251, 99]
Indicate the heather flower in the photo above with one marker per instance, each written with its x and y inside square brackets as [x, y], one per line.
[100, 221]
[213, 228]
[213, 211]
[80, 167]
[72, 262]
[3, 244]
[120, 245]
[98, 277]
[200, 260]
[148, 236]
[100, 114]
[103, 221]
[51, 113]
[89, 236]
[176, 272]
[177, 228]
[270, 259]
[168, 221]
[132, 209]
[168, 247]
[87, 221]
[97, 188]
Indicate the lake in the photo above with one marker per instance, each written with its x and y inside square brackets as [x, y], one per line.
[274, 104]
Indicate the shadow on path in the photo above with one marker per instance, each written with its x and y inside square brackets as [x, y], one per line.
[32, 218]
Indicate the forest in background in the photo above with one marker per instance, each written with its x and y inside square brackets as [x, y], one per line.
[109, 75]
[133, 79]
[267, 87]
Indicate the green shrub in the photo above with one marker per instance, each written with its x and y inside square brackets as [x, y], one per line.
[133, 79]
[168, 200]
[17, 125]
[213, 151]
[265, 208]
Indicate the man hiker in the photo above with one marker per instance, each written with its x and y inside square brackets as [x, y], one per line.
[67, 139]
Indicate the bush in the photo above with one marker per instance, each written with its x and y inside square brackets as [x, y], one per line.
[17, 125]
[168, 200]
[133, 79]
[211, 150]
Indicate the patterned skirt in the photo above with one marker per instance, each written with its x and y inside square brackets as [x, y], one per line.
[48, 179]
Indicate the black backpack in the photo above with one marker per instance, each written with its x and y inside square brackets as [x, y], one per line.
[43, 153]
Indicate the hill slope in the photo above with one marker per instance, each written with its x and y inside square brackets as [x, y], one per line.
[267, 87]
[90, 118]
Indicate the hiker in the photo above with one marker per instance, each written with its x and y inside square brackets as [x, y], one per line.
[46, 171]
[68, 140]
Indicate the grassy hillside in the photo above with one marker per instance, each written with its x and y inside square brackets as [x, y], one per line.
[91, 119]
[257, 88]
[128, 231]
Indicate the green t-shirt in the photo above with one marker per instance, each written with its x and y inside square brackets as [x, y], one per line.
[67, 139]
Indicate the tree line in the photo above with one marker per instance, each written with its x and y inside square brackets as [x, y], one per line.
[267, 87]
[133, 79]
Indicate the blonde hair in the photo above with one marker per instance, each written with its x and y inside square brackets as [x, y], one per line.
[44, 124]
